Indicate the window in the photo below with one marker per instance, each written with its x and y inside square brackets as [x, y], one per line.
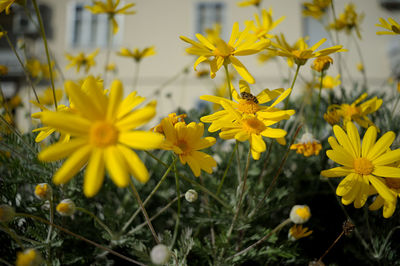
[87, 30]
[208, 14]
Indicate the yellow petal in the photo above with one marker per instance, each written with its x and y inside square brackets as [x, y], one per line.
[241, 69]
[116, 166]
[116, 93]
[386, 171]
[136, 118]
[387, 158]
[61, 150]
[336, 172]
[368, 141]
[381, 145]
[66, 122]
[346, 184]
[382, 189]
[72, 165]
[354, 138]
[135, 165]
[142, 140]
[344, 140]
[340, 158]
[363, 193]
[94, 174]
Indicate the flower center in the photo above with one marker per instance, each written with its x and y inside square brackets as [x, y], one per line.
[350, 110]
[248, 106]
[103, 134]
[363, 166]
[183, 146]
[304, 213]
[253, 125]
[223, 49]
[393, 183]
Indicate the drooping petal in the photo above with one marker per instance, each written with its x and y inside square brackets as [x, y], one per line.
[135, 165]
[72, 165]
[346, 184]
[363, 193]
[116, 166]
[382, 189]
[241, 69]
[94, 174]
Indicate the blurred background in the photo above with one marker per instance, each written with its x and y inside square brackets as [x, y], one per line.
[168, 76]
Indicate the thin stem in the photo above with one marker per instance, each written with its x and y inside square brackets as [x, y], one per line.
[4, 104]
[331, 246]
[239, 169]
[276, 229]
[178, 194]
[202, 188]
[265, 162]
[358, 48]
[292, 86]
[226, 170]
[21, 63]
[146, 216]
[239, 204]
[136, 75]
[79, 237]
[149, 196]
[154, 216]
[15, 131]
[51, 219]
[339, 56]
[91, 214]
[271, 185]
[109, 44]
[13, 235]
[395, 106]
[46, 50]
[228, 81]
[319, 98]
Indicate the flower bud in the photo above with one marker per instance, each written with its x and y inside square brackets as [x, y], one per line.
[7, 213]
[297, 231]
[191, 195]
[322, 63]
[300, 214]
[160, 254]
[29, 257]
[66, 207]
[43, 191]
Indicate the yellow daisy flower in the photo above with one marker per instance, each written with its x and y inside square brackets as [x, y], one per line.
[307, 145]
[6, 5]
[173, 118]
[357, 112]
[111, 9]
[316, 8]
[47, 97]
[249, 3]
[223, 53]
[297, 231]
[322, 63]
[348, 20]
[82, 60]
[136, 54]
[262, 27]
[186, 141]
[102, 136]
[364, 163]
[301, 52]
[29, 257]
[388, 207]
[248, 127]
[391, 25]
[329, 82]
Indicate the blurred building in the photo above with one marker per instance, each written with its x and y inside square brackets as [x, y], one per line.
[72, 28]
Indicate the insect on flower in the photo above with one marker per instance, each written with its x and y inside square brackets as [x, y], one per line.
[248, 96]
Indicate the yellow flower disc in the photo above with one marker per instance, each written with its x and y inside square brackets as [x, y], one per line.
[253, 126]
[103, 134]
[248, 107]
[363, 166]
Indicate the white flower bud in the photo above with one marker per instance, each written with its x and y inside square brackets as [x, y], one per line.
[43, 191]
[300, 214]
[191, 195]
[160, 254]
[66, 207]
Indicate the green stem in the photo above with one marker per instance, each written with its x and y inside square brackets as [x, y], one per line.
[271, 185]
[319, 99]
[202, 188]
[228, 81]
[146, 216]
[150, 195]
[51, 219]
[140, 226]
[331, 246]
[136, 75]
[79, 237]
[13, 235]
[339, 56]
[91, 214]
[21, 63]
[395, 106]
[292, 86]
[226, 170]
[46, 50]
[275, 230]
[4, 104]
[265, 162]
[178, 194]
[109, 43]
[15, 131]
[358, 48]
[239, 204]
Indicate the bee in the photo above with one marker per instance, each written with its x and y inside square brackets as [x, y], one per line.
[248, 96]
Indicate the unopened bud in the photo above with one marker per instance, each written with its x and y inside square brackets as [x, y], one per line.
[160, 254]
[66, 207]
[300, 214]
[191, 195]
[43, 191]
